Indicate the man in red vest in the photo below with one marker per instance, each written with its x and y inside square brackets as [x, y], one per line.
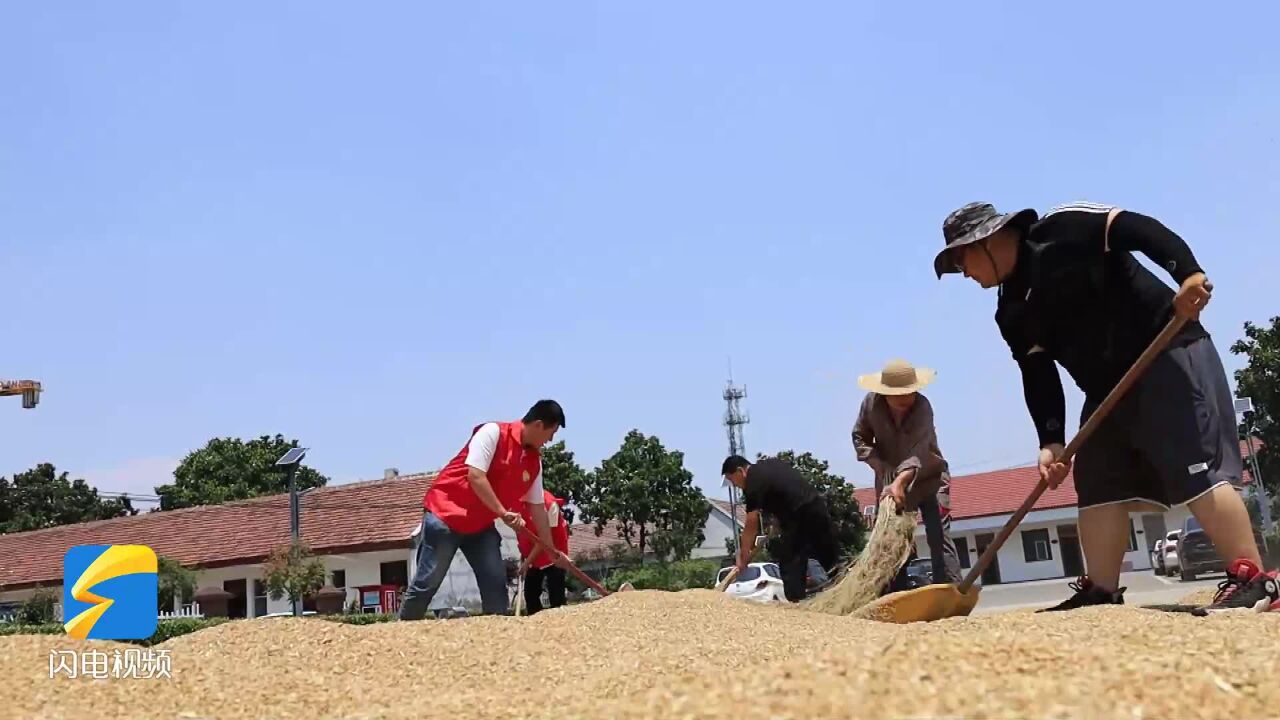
[542, 566]
[496, 476]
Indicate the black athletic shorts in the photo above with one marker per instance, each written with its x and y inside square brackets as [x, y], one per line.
[1170, 439]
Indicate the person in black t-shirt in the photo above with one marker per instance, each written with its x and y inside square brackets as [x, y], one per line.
[777, 488]
[1071, 293]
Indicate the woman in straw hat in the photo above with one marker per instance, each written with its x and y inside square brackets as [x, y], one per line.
[895, 435]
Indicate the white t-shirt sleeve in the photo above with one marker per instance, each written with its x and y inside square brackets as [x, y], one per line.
[534, 496]
[483, 443]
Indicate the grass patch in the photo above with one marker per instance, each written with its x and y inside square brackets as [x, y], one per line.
[165, 629]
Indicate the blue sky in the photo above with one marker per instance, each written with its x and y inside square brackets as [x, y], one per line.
[371, 228]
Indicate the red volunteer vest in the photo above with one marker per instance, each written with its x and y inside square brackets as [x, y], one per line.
[559, 531]
[511, 472]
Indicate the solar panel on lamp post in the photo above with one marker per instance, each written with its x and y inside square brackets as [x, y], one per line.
[1243, 406]
[291, 460]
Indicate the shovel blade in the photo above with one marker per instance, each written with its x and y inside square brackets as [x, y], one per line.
[931, 602]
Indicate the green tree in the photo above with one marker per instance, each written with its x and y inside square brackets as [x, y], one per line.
[292, 571]
[563, 477]
[647, 491]
[39, 609]
[229, 469]
[1260, 381]
[851, 530]
[176, 583]
[41, 498]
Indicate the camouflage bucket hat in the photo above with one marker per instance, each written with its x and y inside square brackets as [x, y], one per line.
[970, 224]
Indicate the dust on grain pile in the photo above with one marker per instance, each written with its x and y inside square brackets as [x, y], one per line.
[887, 549]
[694, 654]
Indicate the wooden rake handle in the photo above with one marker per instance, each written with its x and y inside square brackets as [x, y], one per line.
[585, 578]
[1139, 366]
[720, 586]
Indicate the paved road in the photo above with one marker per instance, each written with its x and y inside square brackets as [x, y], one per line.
[1144, 588]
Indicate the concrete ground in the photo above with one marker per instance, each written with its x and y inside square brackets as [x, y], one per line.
[1144, 588]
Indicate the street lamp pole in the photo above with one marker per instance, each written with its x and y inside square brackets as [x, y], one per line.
[290, 462]
[1245, 405]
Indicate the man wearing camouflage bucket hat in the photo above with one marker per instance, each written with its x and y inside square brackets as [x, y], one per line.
[1071, 293]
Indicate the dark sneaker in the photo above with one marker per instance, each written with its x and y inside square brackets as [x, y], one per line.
[1246, 588]
[1087, 594]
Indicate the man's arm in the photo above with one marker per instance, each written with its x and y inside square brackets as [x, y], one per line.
[542, 528]
[1127, 230]
[484, 490]
[1041, 384]
[1131, 231]
[864, 437]
[1042, 390]
[479, 456]
[747, 544]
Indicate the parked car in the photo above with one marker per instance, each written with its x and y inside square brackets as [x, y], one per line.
[1171, 551]
[919, 573]
[1196, 553]
[1157, 557]
[759, 582]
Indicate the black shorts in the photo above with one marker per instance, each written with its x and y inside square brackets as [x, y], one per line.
[1170, 439]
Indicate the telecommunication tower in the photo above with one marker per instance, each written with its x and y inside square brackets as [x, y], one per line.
[734, 419]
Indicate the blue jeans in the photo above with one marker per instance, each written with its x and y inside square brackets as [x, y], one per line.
[436, 547]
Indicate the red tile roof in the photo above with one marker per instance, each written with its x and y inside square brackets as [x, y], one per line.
[994, 493]
[1001, 492]
[356, 517]
[585, 544]
[723, 506]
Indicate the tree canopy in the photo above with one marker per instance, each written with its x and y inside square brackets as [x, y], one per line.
[42, 498]
[227, 469]
[647, 491]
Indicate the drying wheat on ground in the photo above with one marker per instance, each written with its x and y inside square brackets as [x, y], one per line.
[697, 654]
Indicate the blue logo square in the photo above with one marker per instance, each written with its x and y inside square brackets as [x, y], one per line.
[110, 592]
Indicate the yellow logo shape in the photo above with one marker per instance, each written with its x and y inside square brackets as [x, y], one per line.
[117, 560]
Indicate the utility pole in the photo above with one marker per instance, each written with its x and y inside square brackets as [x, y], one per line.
[1243, 406]
[734, 419]
[290, 462]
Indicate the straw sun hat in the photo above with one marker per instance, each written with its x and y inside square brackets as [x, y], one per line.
[898, 377]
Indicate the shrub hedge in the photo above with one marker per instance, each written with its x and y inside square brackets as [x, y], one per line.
[165, 629]
[680, 575]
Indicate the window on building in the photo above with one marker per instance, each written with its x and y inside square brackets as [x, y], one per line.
[259, 598]
[1035, 545]
[394, 572]
[1133, 538]
[962, 549]
[339, 578]
[237, 606]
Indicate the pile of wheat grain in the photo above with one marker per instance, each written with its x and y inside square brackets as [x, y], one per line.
[694, 654]
[887, 549]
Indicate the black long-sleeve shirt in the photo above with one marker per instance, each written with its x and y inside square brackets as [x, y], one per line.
[1079, 298]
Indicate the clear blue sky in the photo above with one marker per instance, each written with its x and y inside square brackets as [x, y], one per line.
[370, 227]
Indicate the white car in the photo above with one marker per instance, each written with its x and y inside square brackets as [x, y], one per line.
[759, 582]
[1170, 551]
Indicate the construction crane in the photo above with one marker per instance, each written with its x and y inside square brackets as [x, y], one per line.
[28, 389]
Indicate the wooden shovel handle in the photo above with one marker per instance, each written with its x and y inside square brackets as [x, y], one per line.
[1139, 366]
[585, 578]
[720, 586]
